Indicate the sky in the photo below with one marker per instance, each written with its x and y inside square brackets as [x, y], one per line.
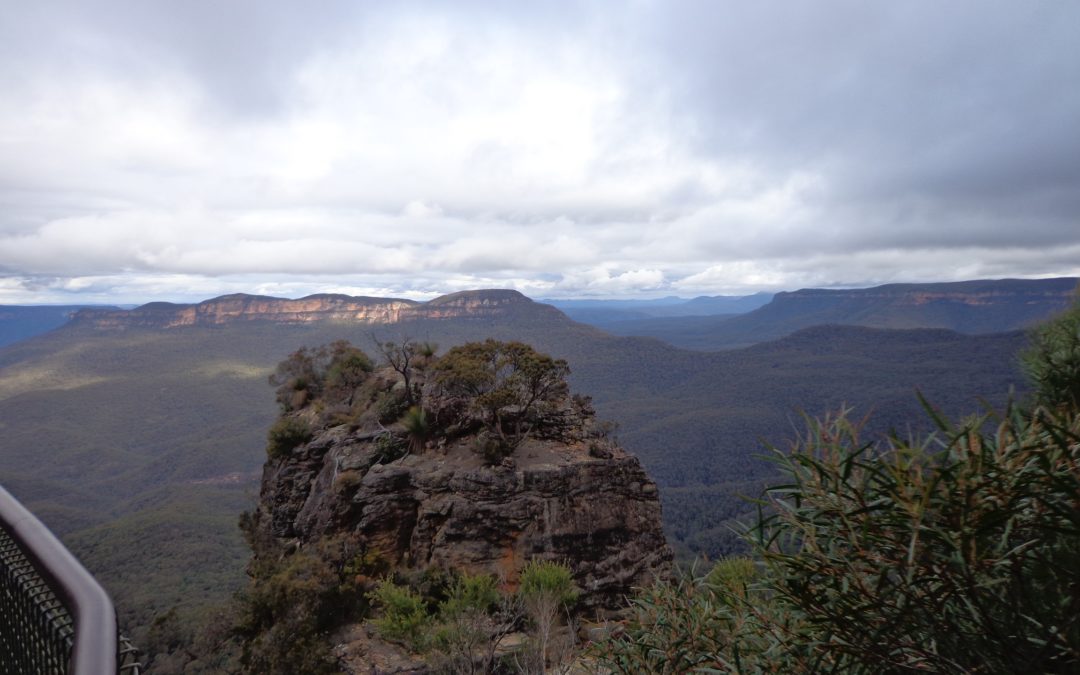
[183, 150]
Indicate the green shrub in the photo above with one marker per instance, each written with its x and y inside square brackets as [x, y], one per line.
[708, 624]
[471, 593]
[547, 590]
[285, 434]
[404, 617]
[472, 620]
[417, 428]
[390, 447]
[293, 601]
[1052, 361]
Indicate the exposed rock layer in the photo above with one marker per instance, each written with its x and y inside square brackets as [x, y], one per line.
[592, 508]
[342, 308]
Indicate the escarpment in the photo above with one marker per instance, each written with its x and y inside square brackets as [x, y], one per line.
[484, 463]
[239, 308]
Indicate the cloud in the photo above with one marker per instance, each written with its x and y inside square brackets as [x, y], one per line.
[568, 148]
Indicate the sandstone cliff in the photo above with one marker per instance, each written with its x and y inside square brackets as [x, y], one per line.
[337, 308]
[599, 515]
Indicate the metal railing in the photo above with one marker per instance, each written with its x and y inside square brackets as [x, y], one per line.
[54, 616]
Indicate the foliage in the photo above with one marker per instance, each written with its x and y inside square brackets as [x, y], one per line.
[718, 623]
[348, 369]
[407, 357]
[331, 372]
[417, 428]
[547, 590]
[294, 600]
[509, 385]
[390, 447]
[949, 554]
[286, 434]
[391, 405]
[1052, 361]
[471, 622]
[404, 617]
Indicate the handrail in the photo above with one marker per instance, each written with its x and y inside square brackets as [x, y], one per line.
[96, 637]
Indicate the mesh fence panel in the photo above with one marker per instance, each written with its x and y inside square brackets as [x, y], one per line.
[36, 630]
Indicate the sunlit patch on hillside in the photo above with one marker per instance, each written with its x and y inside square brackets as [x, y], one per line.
[23, 379]
[231, 369]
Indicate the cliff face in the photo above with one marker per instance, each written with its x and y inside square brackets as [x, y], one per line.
[339, 308]
[567, 494]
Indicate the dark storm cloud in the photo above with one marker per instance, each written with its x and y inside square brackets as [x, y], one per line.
[960, 110]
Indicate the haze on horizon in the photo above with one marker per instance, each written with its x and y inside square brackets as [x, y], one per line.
[178, 151]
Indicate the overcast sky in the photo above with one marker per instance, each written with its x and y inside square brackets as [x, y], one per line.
[181, 150]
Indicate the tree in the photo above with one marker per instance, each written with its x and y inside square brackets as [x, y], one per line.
[509, 385]
[333, 370]
[349, 367]
[1053, 360]
[405, 357]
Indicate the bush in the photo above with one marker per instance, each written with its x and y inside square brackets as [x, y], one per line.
[286, 434]
[691, 624]
[404, 615]
[547, 590]
[293, 601]
[957, 553]
[1052, 362]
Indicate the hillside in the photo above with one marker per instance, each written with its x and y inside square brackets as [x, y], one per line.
[140, 444]
[973, 307]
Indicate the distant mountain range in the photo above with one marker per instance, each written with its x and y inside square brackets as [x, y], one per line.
[137, 434]
[971, 307]
[605, 312]
[21, 322]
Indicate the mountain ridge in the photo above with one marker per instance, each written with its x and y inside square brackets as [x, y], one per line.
[486, 303]
[969, 307]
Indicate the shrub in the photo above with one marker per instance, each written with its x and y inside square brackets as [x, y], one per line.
[286, 434]
[293, 601]
[404, 616]
[1052, 361]
[709, 624]
[417, 428]
[472, 620]
[546, 590]
[954, 554]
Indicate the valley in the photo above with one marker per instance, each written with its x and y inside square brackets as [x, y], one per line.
[118, 435]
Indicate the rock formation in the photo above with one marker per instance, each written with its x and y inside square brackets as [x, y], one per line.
[564, 492]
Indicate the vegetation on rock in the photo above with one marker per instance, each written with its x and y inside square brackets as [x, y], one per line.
[506, 390]
[508, 387]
